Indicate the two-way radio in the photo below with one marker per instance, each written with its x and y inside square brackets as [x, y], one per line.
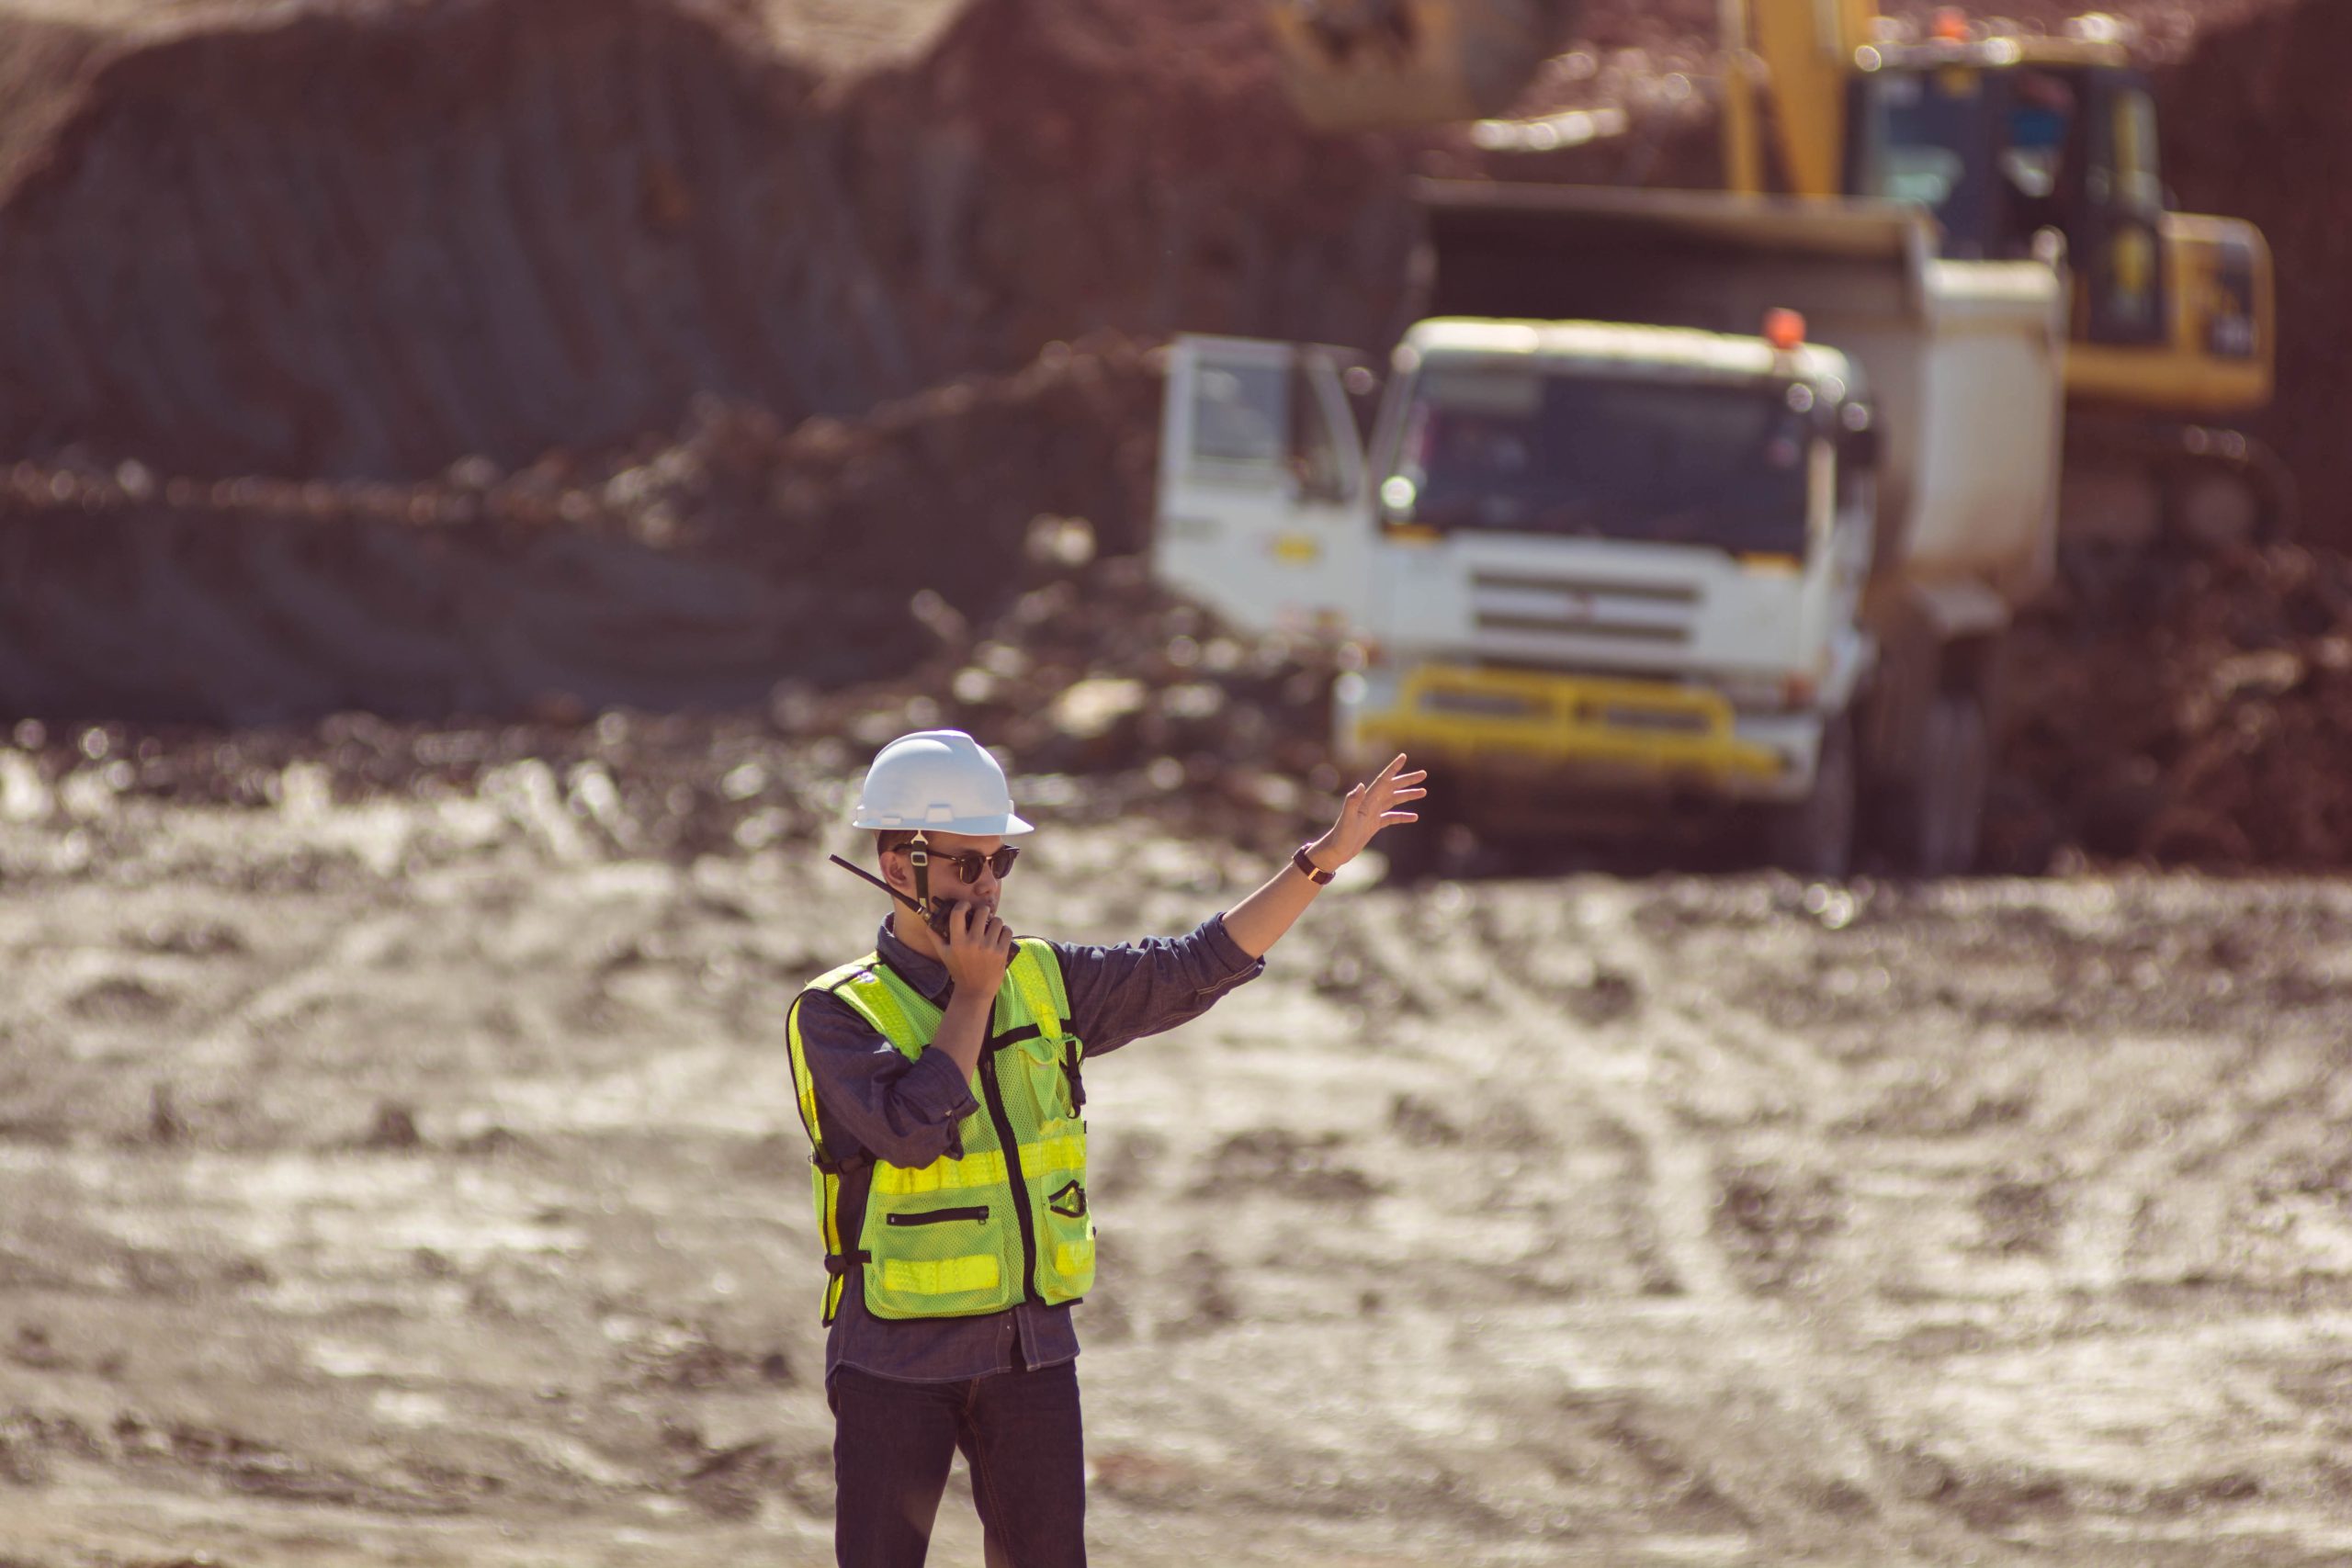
[935, 917]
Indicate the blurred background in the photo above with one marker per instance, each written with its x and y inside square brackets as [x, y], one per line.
[479, 478]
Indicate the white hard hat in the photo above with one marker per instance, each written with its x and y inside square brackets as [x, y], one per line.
[940, 780]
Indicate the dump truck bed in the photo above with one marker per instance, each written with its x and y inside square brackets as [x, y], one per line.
[1965, 360]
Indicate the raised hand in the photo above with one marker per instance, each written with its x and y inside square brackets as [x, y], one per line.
[1369, 808]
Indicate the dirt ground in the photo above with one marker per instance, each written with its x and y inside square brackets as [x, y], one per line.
[416, 1180]
[397, 1156]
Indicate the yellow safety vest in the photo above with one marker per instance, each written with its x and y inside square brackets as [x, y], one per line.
[1005, 1222]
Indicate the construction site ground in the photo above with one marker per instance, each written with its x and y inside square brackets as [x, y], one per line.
[417, 1181]
[478, 477]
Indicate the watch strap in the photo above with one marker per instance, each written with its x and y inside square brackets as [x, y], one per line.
[1312, 871]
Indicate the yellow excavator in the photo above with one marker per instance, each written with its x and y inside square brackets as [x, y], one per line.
[2007, 138]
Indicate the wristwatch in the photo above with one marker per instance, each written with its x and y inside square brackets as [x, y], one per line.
[1313, 873]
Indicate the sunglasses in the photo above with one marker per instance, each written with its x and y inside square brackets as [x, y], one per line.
[968, 863]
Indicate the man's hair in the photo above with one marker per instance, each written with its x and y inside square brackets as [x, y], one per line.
[888, 839]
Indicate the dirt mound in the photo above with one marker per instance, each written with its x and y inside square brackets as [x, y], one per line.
[394, 236]
[2211, 725]
[338, 241]
[698, 572]
[1057, 165]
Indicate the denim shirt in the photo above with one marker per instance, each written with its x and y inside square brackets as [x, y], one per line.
[872, 1100]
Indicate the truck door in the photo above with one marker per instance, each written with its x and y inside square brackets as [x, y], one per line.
[1264, 514]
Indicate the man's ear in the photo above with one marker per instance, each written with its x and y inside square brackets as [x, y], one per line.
[896, 872]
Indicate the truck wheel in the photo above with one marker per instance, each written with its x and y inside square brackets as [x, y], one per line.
[1948, 804]
[1814, 838]
[1412, 853]
[2214, 510]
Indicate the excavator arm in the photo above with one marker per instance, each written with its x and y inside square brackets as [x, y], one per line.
[1804, 48]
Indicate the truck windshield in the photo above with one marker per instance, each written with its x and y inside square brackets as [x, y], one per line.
[1671, 462]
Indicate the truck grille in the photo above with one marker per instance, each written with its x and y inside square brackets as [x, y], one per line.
[1581, 607]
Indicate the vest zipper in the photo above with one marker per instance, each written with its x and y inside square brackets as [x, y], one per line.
[935, 1216]
[1004, 1136]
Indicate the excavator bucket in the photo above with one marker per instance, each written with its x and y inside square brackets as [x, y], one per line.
[1389, 64]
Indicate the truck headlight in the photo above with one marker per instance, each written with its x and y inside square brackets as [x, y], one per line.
[1771, 692]
[1751, 691]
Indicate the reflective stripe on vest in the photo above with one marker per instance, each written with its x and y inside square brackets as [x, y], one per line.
[1007, 1220]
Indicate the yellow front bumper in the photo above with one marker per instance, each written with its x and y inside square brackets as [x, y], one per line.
[1460, 715]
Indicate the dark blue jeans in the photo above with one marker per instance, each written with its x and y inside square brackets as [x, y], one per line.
[1018, 1432]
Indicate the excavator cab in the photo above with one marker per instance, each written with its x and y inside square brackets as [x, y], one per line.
[1991, 155]
[2004, 138]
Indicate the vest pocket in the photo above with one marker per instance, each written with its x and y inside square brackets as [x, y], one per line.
[929, 1257]
[1050, 1067]
[1065, 1272]
[927, 1283]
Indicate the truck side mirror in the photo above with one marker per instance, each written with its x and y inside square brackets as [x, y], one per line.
[1313, 478]
[1326, 447]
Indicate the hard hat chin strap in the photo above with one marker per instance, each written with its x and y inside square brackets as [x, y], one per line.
[919, 857]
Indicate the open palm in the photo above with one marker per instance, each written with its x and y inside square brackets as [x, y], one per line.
[1370, 807]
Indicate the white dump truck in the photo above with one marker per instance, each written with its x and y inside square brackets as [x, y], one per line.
[1674, 504]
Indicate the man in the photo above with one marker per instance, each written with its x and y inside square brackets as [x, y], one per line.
[939, 1079]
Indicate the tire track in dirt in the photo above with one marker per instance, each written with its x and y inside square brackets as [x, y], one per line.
[1785, 1074]
[1798, 1460]
[2219, 1147]
[220, 1050]
[2112, 1215]
[2164, 1188]
[1445, 969]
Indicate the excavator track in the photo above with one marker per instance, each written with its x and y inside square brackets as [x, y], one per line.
[2134, 484]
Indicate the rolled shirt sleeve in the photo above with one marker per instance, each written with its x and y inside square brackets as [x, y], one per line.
[896, 1109]
[1120, 994]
